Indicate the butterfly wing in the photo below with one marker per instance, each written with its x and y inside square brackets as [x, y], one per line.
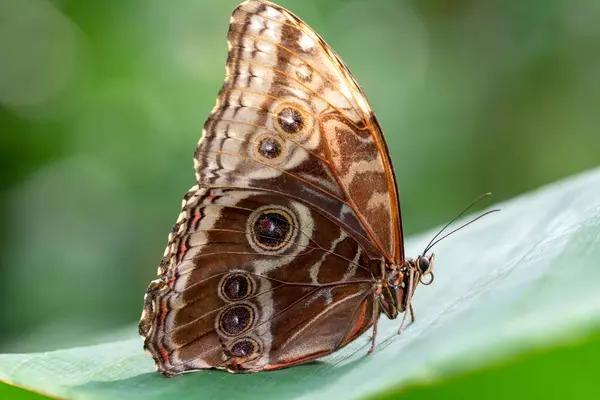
[254, 281]
[276, 255]
[291, 119]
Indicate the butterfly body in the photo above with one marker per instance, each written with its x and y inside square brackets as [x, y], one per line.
[290, 245]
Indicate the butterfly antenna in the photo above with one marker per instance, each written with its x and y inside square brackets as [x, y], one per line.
[433, 241]
[460, 227]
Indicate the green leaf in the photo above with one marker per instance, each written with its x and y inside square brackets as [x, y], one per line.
[531, 376]
[523, 279]
[17, 393]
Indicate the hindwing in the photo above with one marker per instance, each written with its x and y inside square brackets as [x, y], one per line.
[234, 295]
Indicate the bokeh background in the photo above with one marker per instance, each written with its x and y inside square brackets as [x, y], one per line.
[102, 103]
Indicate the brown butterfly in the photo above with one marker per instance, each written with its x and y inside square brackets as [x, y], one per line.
[291, 244]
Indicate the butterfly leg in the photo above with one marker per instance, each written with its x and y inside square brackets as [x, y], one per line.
[403, 323]
[408, 307]
[375, 324]
[412, 313]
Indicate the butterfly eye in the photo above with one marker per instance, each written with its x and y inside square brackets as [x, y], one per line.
[290, 120]
[272, 229]
[236, 319]
[423, 264]
[236, 287]
[245, 348]
[269, 147]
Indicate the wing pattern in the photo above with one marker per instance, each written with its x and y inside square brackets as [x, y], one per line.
[221, 296]
[277, 253]
[290, 118]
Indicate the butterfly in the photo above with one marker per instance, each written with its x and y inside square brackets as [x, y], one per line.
[290, 246]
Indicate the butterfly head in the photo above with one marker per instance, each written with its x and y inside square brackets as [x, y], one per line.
[422, 269]
[417, 270]
[396, 291]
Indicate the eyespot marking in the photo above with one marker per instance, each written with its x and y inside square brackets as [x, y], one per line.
[246, 348]
[304, 73]
[236, 286]
[236, 319]
[269, 147]
[272, 229]
[290, 120]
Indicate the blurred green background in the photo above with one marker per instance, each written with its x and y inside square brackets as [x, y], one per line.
[102, 103]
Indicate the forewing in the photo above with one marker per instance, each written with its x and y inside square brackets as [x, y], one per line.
[290, 118]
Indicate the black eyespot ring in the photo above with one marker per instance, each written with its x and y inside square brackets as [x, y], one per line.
[290, 120]
[269, 147]
[236, 319]
[236, 286]
[272, 229]
[245, 348]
